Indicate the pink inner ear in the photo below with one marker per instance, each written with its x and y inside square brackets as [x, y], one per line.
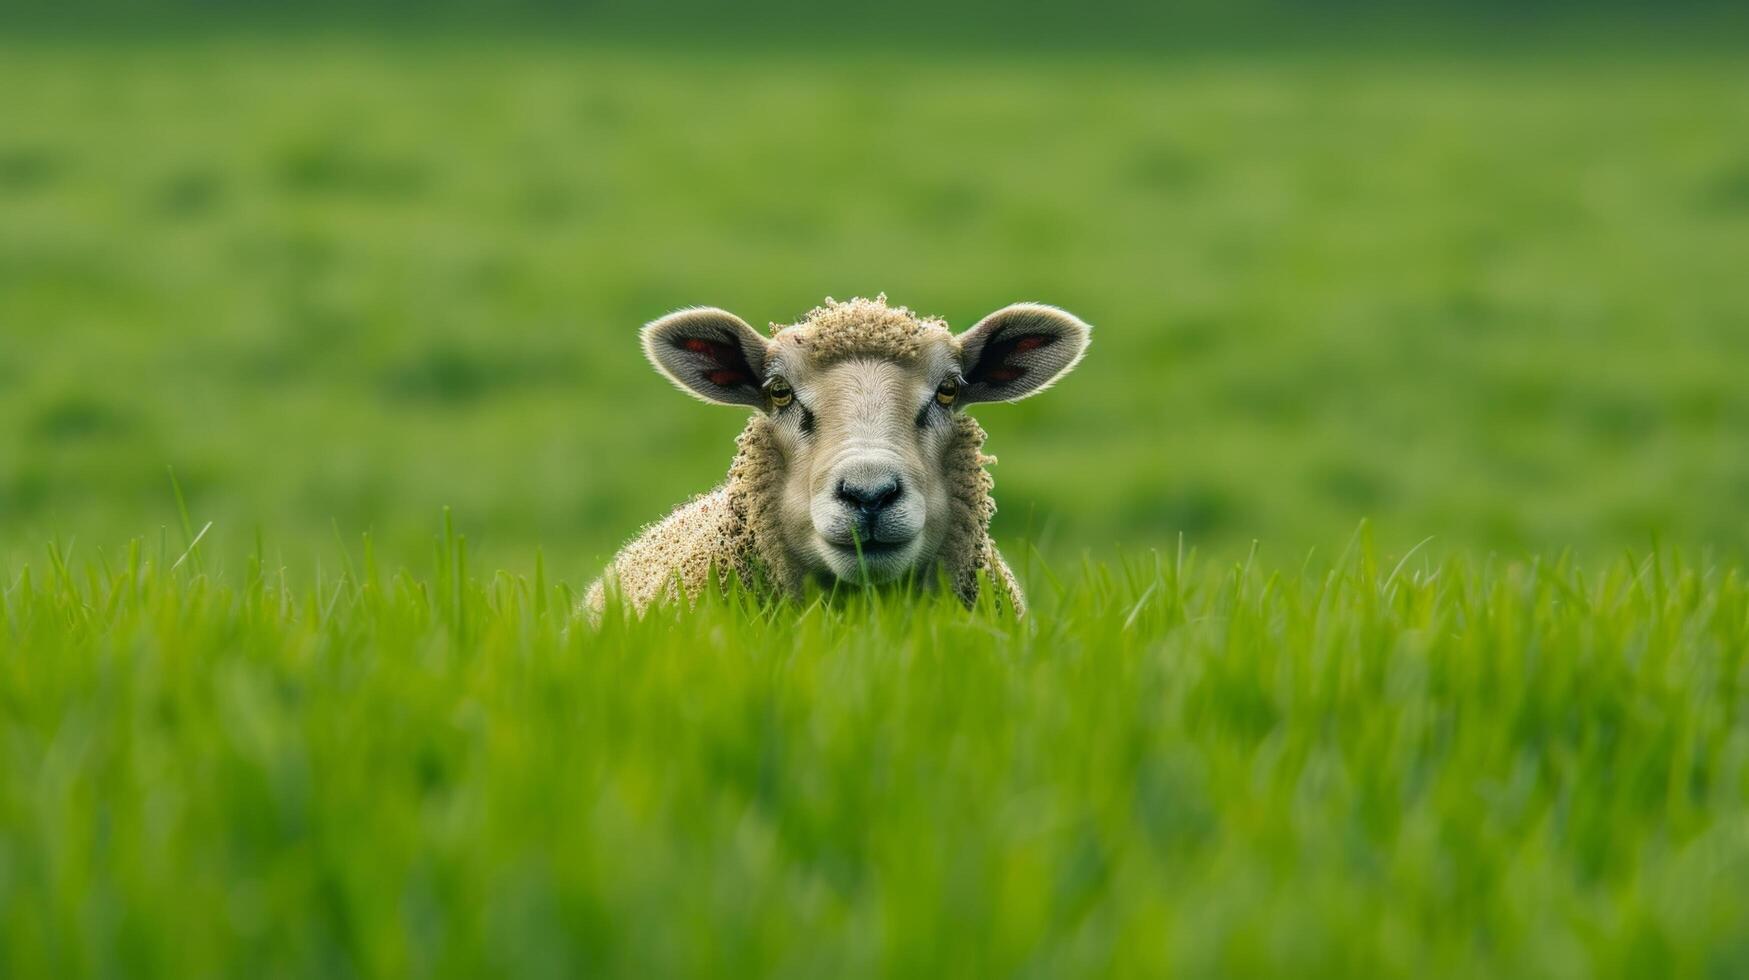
[1006, 370]
[699, 345]
[728, 371]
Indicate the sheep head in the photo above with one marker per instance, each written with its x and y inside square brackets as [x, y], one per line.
[861, 401]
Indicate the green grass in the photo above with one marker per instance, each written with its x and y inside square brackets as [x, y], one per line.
[1351, 766]
[340, 281]
[1494, 297]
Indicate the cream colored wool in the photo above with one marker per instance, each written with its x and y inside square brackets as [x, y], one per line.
[861, 328]
[734, 529]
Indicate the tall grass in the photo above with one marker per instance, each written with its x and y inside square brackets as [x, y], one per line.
[1357, 766]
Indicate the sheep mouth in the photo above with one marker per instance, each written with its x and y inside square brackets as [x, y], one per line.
[872, 549]
[875, 548]
[880, 559]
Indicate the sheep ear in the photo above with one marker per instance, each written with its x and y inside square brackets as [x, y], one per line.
[1019, 350]
[709, 353]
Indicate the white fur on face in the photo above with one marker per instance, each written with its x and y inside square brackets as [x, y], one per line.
[868, 426]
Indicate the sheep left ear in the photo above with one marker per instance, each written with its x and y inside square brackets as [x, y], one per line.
[710, 354]
[1018, 351]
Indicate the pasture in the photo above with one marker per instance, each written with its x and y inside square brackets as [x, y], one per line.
[316, 704]
[1174, 766]
[1497, 300]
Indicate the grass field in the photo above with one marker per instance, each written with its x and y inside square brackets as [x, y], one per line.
[1349, 768]
[1495, 299]
[1488, 305]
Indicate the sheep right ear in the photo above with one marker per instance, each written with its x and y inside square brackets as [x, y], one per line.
[1020, 350]
[709, 353]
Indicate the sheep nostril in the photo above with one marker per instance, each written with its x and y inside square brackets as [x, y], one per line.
[870, 500]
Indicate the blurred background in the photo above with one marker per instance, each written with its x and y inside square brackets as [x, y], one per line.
[1478, 272]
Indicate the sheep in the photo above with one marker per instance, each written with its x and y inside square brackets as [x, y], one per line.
[858, 463]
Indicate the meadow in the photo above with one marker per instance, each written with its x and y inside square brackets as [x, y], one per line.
[1497, 299]
[1172, 767]
[320, 402]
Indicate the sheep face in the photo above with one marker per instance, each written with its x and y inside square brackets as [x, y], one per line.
[860, 400]
[864, 442]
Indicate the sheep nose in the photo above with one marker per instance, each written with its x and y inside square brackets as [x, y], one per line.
[871, 498]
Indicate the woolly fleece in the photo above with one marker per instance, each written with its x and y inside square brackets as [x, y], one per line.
[734, 529]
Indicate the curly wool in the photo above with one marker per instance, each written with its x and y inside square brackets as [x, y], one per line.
[735, 530]
[862, 327]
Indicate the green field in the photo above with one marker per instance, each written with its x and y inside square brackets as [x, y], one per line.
[1486, 303]
[1497, 300]
[1348, 769]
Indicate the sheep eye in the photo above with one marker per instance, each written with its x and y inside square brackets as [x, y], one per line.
[947, 392]
[779, 392]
